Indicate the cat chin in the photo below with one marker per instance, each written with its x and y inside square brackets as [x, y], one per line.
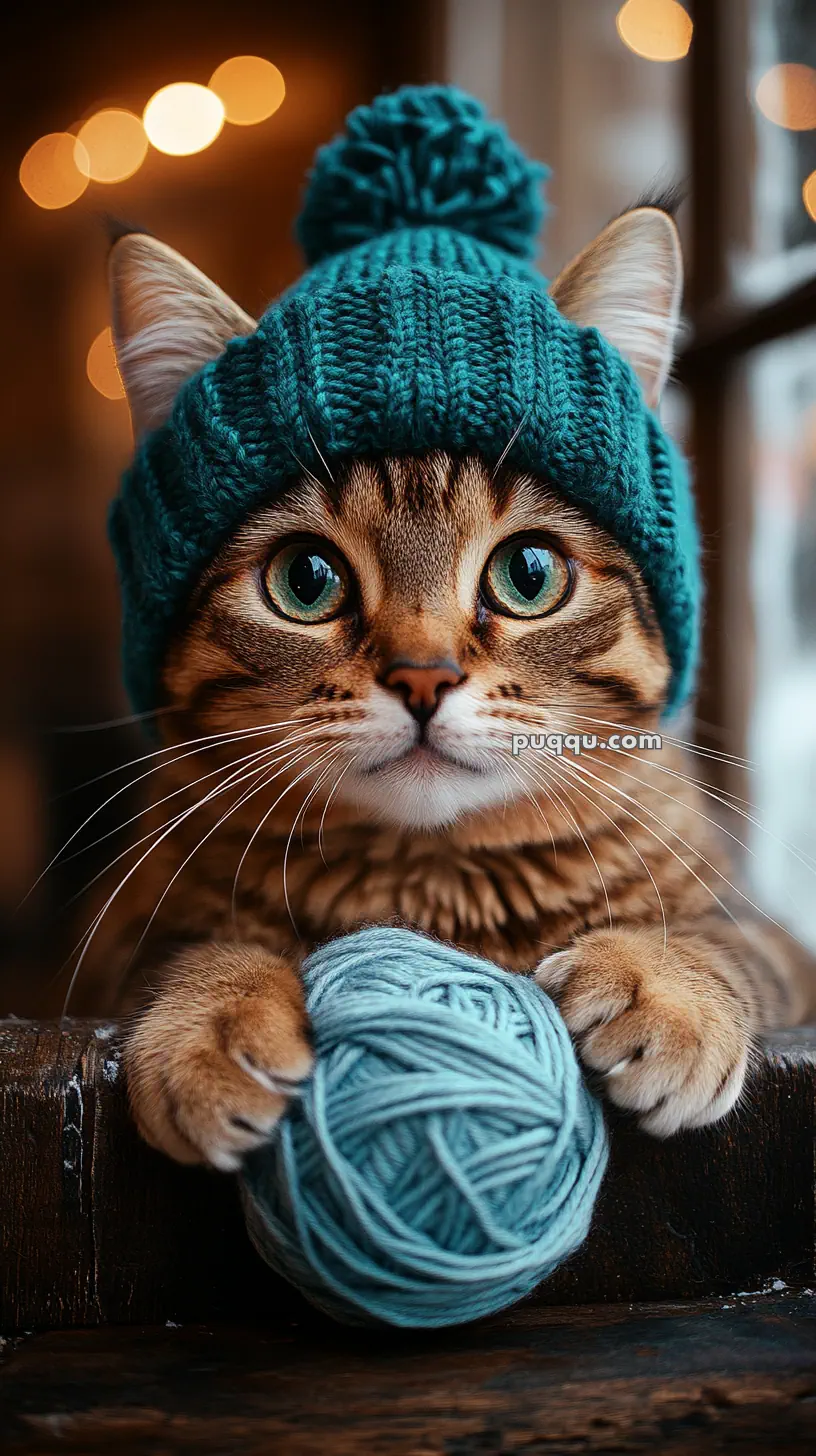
[408, 799]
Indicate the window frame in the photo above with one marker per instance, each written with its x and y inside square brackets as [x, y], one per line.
[724, 330]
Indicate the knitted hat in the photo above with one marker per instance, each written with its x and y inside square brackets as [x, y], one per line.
[421, 324]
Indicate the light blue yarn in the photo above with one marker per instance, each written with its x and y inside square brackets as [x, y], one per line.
[446, 1154]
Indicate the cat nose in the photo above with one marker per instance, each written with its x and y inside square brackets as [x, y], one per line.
[421, 684]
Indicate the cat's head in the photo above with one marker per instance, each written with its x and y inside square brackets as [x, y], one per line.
[402, 617]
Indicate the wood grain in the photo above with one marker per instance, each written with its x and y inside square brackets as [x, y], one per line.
[96, 1228]
[653, 1378]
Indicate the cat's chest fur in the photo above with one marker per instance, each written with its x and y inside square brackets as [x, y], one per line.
[512, 904]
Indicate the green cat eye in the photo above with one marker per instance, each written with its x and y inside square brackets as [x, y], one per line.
[306, 581]
[526, 578]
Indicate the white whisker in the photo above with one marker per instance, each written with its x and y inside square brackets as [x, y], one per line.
[306, 471]
[244, 798]
[582, 770]
[263, 757]
[259, 826]
[503, 764]
[174, 823]
[335, 787]
[636, 851]
[310, 795]
[510, 443]
[320, 455]
[196, 745]
[218, 739]
[579, 831]
[185, 787]
[706, 818]
[125, 722]
[727, 801]
[729, 759]
[710, 793]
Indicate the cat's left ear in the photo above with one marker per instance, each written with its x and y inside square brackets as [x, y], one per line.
[169, 320]
[628, 283]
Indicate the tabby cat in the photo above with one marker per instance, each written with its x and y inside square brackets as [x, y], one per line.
[339, 708]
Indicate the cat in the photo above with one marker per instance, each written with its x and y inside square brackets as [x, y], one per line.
[339, 707]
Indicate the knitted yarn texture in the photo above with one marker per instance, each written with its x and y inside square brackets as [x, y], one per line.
[421, 324]
[446, 1154]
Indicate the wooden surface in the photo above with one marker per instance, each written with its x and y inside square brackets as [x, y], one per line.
[734, 1375]
[95, 1227]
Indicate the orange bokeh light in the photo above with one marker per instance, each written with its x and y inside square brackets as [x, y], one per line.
[809, 194]
[658, 30]
[54, 170]
[786, 94]
[250, 88]
[115, 143]
[183, 118]
[102, 369]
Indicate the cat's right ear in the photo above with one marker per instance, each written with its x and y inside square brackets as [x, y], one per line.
[169, 320]
[627, 284]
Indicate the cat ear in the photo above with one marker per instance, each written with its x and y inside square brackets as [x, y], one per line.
[169, 320]
[628, 284]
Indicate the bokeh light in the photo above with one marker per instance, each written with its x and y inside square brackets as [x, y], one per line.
[250, 88]
[659, 30]
[115, 143]
[183, 118]
[786, 94]
[54, 171]
[809, 194]
[102, 369]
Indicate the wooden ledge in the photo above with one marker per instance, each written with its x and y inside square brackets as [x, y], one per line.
[729, 1375]
[96, 1228]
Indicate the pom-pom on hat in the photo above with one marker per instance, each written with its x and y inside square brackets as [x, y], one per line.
[423, 157]
[420, 325]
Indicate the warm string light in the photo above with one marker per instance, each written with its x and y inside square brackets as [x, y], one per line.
[54, 172]
[786, 95]
[183, 118]
[102, 368]
[251, 89]
[179, 119]
[809, 195]
[658, 30]
[115, 144]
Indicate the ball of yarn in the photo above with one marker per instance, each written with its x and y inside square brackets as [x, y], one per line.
[422, 156]
[444, 1157]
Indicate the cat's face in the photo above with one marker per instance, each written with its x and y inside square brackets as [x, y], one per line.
[404, 621]
[399, 623]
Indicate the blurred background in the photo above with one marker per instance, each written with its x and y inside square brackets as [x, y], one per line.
[198, 122]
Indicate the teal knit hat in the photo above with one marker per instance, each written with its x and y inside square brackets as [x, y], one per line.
[420, 324]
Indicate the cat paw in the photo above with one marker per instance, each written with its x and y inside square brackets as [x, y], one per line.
[213, 1062]
[662, 1027]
